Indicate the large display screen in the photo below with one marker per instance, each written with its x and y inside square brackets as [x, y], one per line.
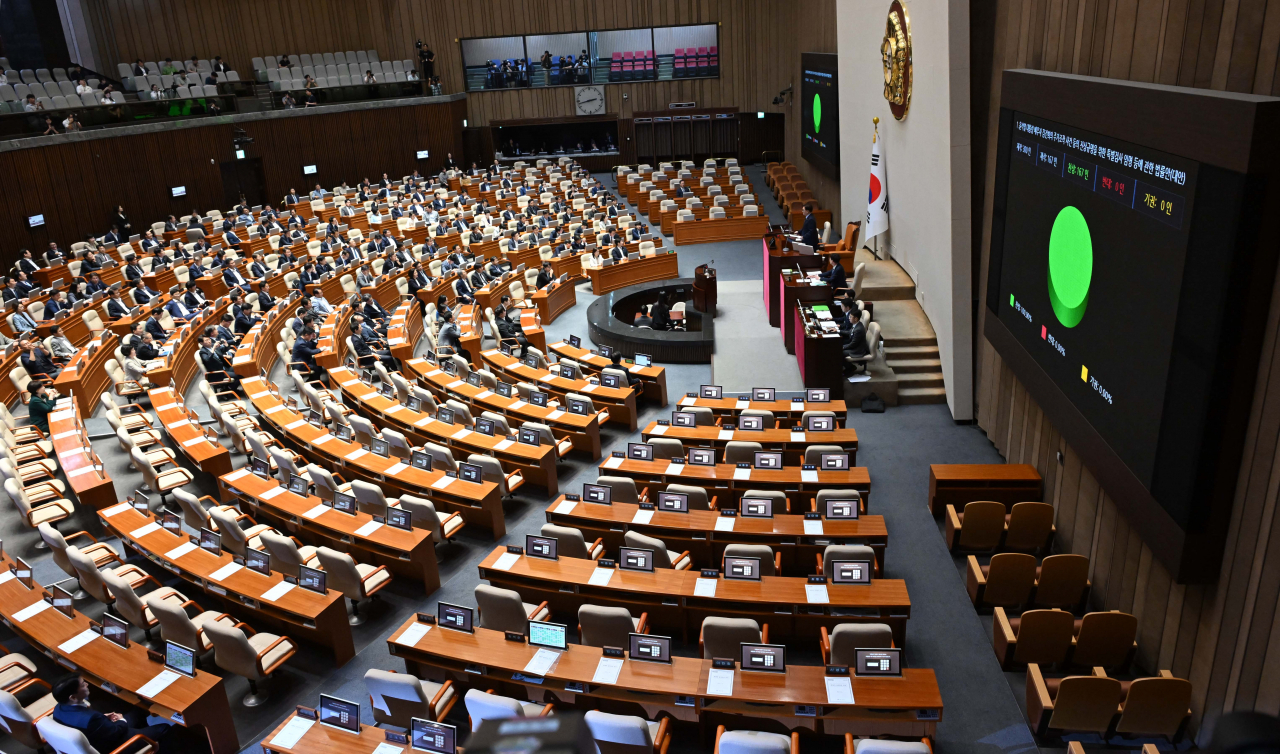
[820, 110]
[1096, 236]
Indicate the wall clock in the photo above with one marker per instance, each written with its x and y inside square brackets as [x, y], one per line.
[589, 100]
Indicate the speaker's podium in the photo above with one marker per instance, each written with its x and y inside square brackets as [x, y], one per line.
[704, 289]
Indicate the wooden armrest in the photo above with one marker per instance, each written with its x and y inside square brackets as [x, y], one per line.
[29, 683]
[719, 733]
[244, 627]
[1039, 702]
[436, 699]
[953, 527]
[375, 572]
[1002, 637]
[764, 633]
[824, 642]
[1099, 672]
[818, 556]
[1163, 673]
[644, 495]
[537, 609]
[848, 743]
[714, 504]
[777, 563]
[661, 740]
[546, 710]
[267, 649]
[599, 543]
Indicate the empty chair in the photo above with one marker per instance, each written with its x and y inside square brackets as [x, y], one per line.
[979, 527]
[1062, 581]
[91, 578]
[35, 514]
[702, 416]
[286, 554]
[358, 581]
[721, 637]
[840, 645]
[1105, 640]
[770, 563]
[132, 608]
[832, 554]
[503, 610]
[1006, 582]
[397, 698]
[698, 499]
[779, 499]
[1029, 527]
[819, 501]
[423, 515]
[627, 733]
[1040, 636]
[662, 557]
[255, 657]
[194, 513]
[178, 626]
[623, 489]
[1082, 703]
[482, 706]
[1159, 706]
[600, 626]
[22, 721]
[164, 481]
[737, 451]
[235, 539]
[571, 543]
[441, 457]
[666, 447]
[813, 453]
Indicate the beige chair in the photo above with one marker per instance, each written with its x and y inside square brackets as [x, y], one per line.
[483, 706]
[20, 721]
[35, 514]
[819, 501]
[546, 437]
[178, 626]
[423, 515]
[755, 742]
[832, 554]
[164, 481]
[666, 448]
[600, 626]
[721, 637]
[738, 451]
[131, 607]
[254, 656]
[770, 562]
[286, 554]
[326, 484]
[781, 504]
[623, 489]
[619, 734]
[503, 610]
[194, 513]
[92, 580]
[492, 471]
[234, 539]
[770, 422]
[662, 557]
[441, 457]
[698, 499]
[369, 498]
[840, 645]
[357, 581]
[571, 543]
[813, 453]
[397, 698]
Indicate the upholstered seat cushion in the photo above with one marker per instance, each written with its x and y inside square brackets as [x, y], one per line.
[450, 527]
[754, 742]
[371, 584]
[260, 642]
[21, 668]
[430, 689]
[531, 709]
[54, 510]
[209, 616]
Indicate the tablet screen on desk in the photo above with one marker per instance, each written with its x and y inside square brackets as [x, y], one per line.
[421, 460]
[882, 662]
[339, 713]
[757, 507]
[683, 419]
[115, 630]
[344, 503]
[380, 447]
[345, 433]
[473, 379]
[311, 578]
[171, 522]
[180, 659]
[820, 423]
[538, 398]
[745, 569]
[635, 559]
[257, 560]
[486, 426]
[817, 395]
[643, 360]
[851, 572]
[711, 391]
[388, 391]
[298, 485]
[454, 616]
[439, 738]
[610, 380]
[650, 648]
[702, 457]
[531, 360]
[751, 423]
[675, 502]
[62, 601]
[762, 394]
[211, 541]
[504, 389]
[597, 493]
[607, 352]
[449, 367]
[504, 349]
[639, 451]
[399, 518]
[579, 407]
[260, 467]
[315, 419]
[834, 461]
[567, 372]
[536, 546]
[838, 509]
[444, 415]
[768, 459]
[414, 403]
[529, 436]
[551, 635]
[575, 341]
[766, 658]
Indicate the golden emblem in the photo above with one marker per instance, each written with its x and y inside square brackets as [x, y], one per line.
[895, 56]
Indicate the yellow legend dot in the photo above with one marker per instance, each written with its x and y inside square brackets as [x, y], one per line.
[1084, 373]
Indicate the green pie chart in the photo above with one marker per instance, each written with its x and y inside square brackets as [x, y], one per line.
[817, 113]
[1070, 266]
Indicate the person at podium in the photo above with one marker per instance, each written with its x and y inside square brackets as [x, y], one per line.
[809, 232]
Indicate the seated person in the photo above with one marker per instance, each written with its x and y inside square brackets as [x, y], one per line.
[644, 320]
[105, 732]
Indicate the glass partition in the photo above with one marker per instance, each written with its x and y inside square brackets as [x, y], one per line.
[494, 63]
[559, 59]
[687, 51]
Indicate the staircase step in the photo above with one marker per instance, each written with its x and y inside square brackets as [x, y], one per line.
[912, 352]
[910, 341]
[921, 395]
[913, 366]
[920, 379]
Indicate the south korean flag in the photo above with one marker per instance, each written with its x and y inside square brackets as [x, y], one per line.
[878, 193]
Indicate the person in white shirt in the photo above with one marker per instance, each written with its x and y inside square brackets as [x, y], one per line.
[374, 215]
[319, 304]
[369, 78]
[83, 88]
[155, 92]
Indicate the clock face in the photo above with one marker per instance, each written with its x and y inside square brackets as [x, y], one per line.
[589, 100]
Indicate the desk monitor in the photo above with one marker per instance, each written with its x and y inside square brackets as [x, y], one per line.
[115, 630]
[819, 423]
[881, 662]
[751, 423]
[757, 507]
[380, 447]
[851, 572]
[643, 360]
[536, 546]
[575, 341]
[635, 559]
[639, 451]
[504, 389]
[763, 394]
[315, 419]
[566, 371]
[683, 419]
[702, 457]
[768, 459]
[62, 601]
[838, 509]
[257, 560]
[817, 395]
[610, 380]
[171, 522]
[765, 658]
[529, 436]
[597, 493]
[457, 617]
[833, 462]
[210, 541]
[388, 391]
[538, 398]
[607, 352]
[743, 569]
[444, 415]
[260, 467]
[339, 713]
[180, 659]
[420, 459]
[505, 349]
[711, 391]
[344, 503]
[650, 648]
[399, 518]
[579, 407]
[438, 738]
[552, 635]
[312, 578]
[473, 379]
[530, 360]
[676, 502]
[449, 367]
[414, 403]
[486, 427]
[345, 433]
[298, 485]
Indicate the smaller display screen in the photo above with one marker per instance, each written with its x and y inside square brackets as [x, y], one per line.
[817, 395]
[420, 460]
[819, 424]
[439, 738]
[180, 659]
[553, 635]
[711, 391]
[851, 572]
[675, 502]
[257, 560]
[469, 472]
[838, 509]
[540, 547]
[455, 616]
[878, 662]
[339, 713]
[746, 569]
[639, 451]
[344, 503]
[597, 493]
[635, 559]
[650, 648]
[766, 658]
[762, 394]
[311, 578]
[115, 630]
[834, 461]
[683, 419]
[757, 507]
[768, 459]
[702, 457]
[751, 423]
[399, 518]
[210, 541]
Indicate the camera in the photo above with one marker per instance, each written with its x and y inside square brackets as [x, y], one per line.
[418, 44]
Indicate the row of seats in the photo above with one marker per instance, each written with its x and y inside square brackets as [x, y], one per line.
[325, 82]
[391, 70]
[359, 57]
[689, 62]
[18, 92]
[789, 188]
[29, 76]
[201, 68]
[630, 65]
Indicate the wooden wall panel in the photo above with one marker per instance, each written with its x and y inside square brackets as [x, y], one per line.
[76, 185]
[1225, 637]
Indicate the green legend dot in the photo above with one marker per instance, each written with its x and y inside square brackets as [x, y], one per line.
[1011, 301]
[817, 113]
[1070, 266]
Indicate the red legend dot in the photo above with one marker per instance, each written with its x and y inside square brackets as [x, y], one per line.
[1044, 332]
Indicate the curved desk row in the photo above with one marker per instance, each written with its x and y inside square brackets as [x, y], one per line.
[789, 410]
[725, 229]
[792, 444]
[632, 271]
[86, 478]
[679, 600]
[198, 703]
[654, 379]
[479, 504]
[300, 613]
[621, 402]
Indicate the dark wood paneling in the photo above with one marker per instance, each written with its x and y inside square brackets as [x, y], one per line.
[1224, 637]
[76, 185]
[814, 30]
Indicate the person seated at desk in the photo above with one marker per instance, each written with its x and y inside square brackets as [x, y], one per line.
[134, 367]
[245, 319]
[442, 307]
[41, 405]
[305, 351]
[154, 327]
[214, 358]
[179, 310]
[225, 331]
[545, 276]
[194, 298]
[375, 312]
[855, 345]
[27, 262]
[94, 285]
[362, 336]
[463, 290]
[632, 380]
[319, 304]
[323, 266]
[142, 294]
[833, 274]
[37, 361]
[507, 330]
[105, 733]
[365, 277]
[450, 337]
[116, 307]
[146, 347]
[258, 267]
[57, 303]
[643, 319]
[62, 348]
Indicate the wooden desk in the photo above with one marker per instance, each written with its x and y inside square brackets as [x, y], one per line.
[537, 463]
[321, 739]
[410, 554]
[198, 703]
[186, 434]
[632, 271]
[961, 483]
[621, 402]
[695, 531]
[653, 379]
[560, 299]
[668, 596]
[180, 364]
[771, 439]
[85, 376]
[777, 256]
[300, 613]
[821, 357]
[719, 480]
[727, 229]
[788, 410]
[479, 504]
[882, 706]
[795, 292]
[86, 479]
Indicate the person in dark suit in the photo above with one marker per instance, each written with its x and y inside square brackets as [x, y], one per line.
[545, 276]
[463, 290]
[154, 327]
[644, 320]
[179, 310]
[232, 277]
[360, 342]
[28, 263]
[142, 294]
[833, 273]
[133, 270]
[245, 318]
[258, 267]
[224, 332]
[809, 233]
[305, 351]
[194, 298]
[215, 360]
[115, 307]
[661, 313]
[105, 732]
[57, 302]
[94, 285]
[509, 331]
